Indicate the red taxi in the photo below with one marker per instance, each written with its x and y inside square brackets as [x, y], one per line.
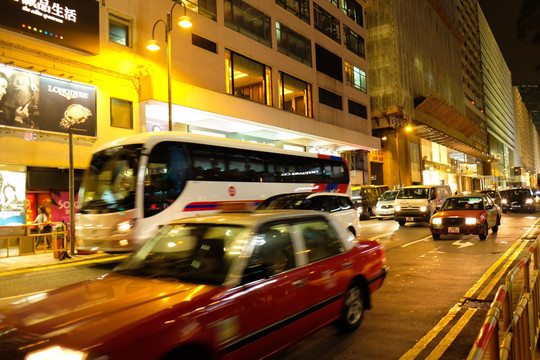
[227, 286]
[466, 214]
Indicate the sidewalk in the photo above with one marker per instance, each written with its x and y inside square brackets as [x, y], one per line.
[34, 262]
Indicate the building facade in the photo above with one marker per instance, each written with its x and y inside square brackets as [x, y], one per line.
[289, 73]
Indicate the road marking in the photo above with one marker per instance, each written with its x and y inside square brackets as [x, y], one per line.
[462, 245]
[380, 236]
[483, 295]
[417, 241]
[423, 343]
[451, 336]
[491, 270]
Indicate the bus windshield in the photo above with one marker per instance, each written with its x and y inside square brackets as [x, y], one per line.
[109, 183]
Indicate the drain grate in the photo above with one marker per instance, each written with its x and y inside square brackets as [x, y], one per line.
[476, 304]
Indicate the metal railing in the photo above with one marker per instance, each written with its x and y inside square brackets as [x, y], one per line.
[20, 240]
[520, 324]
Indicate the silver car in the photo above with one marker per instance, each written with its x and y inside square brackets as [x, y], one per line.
[385, 205]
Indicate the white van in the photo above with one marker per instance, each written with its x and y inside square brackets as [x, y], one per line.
[418, 203]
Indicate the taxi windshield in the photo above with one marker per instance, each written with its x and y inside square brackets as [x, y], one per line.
[195, 253]
[464, 203]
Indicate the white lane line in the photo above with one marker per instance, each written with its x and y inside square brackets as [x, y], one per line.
[416, 241]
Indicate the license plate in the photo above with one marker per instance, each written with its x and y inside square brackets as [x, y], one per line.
[453, 230]
[409, 219]
[516, 205]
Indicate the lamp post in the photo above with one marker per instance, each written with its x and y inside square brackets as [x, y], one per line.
[184, 22]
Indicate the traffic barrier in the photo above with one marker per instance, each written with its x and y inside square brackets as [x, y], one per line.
[521, 330]
[19, 240]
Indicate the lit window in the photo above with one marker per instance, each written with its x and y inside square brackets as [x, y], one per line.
[294, 95]
[355, 77]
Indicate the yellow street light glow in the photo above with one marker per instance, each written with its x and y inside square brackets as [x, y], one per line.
[153, 45]
[384, 138]
[185, 22]
[408, 128]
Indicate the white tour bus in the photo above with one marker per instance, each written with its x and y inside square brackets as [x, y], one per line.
[135, 184]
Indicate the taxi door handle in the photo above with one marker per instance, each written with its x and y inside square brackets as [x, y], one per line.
[346, 265]
[299, 283]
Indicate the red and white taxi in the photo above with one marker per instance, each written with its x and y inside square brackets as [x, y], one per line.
[227, 286]
[466, 214]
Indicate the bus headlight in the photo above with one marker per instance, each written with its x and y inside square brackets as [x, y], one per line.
[423, 208]
[56, 353]
[124, 227]
[470, 221]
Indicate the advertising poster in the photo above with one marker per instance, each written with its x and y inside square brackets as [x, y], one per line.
[12, 198]
[40, 102]
[60, 206]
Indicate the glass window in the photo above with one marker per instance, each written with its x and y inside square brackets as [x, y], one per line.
[203, 43]
[326, 23]
[248, 79]
[320, 240]
[164, 178]
[331, 99]
[293, 44]
[355, 77]
[247, 20]
[300, 8]
[334, 2]
[119, 30]
[353, 10]
[357, 109]
[328, 63]
[274, 250]
[294, 95]
[121, 113]
[205, 8]
[354, 42]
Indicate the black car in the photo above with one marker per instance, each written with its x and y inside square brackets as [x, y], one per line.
[519, 200]
[495, 195]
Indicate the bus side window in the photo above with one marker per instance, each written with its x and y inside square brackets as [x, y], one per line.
[165, 177]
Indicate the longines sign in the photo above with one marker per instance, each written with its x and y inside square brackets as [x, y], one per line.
[70, 23]
[45, 103]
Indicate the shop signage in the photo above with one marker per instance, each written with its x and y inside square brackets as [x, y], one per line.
[41, 102]
[12, 198]
[70, 23]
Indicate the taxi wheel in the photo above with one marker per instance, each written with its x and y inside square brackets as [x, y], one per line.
[401, 222]
[353, 310]
[484, 234]
[436, 236]
[496, 227]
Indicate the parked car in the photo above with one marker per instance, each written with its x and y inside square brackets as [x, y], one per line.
[495, 195]
[522, 199]
[418, 203]
[339, 206]
[385, 205]
[365, 198]
[466, 214]
[226, 286]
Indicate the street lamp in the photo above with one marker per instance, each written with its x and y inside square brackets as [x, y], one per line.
[184, 22]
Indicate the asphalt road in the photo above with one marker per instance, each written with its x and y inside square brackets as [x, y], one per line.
[431, 305]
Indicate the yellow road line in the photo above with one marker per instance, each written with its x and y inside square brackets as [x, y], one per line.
[493, 267]
[483, 295]
[62, 265]
[423, 343]
[451, 336]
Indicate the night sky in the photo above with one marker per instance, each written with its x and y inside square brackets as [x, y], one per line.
[520, 55]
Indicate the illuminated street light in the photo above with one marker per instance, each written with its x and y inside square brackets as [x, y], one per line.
[184, 22]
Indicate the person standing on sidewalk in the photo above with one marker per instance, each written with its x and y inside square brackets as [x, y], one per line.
[42, 220]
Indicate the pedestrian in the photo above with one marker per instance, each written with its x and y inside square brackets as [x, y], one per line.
[42, 219]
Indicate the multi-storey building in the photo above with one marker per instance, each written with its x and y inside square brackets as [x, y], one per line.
[499, 106]
[530, 94]
[290, 73]
[417, 82]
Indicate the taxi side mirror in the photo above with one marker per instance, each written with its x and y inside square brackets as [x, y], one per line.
[489, 207]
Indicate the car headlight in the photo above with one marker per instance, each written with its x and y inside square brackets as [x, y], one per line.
[423, 208]
[470, 221]
[360, 210]
[56, 353]
[124, 227]
[529, 201]
[503, 201]
[436, 221]
[398, 208]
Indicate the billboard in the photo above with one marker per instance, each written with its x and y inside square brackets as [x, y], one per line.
[69, 23]
[41, 102]
[12, 198]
